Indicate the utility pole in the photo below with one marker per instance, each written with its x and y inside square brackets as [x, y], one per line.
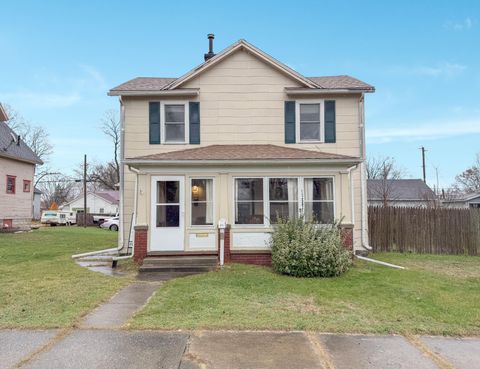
[85, 191]
[423, 164]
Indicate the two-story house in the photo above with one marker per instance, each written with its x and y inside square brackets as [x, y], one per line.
[17, 168]
[245, 139]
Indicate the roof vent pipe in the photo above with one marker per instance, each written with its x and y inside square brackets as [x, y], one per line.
[210, 53]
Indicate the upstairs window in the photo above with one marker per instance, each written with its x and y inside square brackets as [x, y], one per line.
[174, 123]
[11, 184]
[310, 122]
[26, 185]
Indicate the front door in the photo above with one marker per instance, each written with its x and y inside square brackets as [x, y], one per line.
[167, 215]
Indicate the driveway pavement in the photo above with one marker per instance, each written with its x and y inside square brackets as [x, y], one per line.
[112, 349]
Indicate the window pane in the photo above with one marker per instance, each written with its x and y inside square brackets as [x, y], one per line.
[249, 189]
[202, 213]
[249, 213]
[202, 189]
[319, 212]
[310, 113]
[168, 215]
[168, 191]
[284, 210]
[202, 202]
[175, 132]
[322, 189]
[175, 113]
[283, 189]
[310, 131]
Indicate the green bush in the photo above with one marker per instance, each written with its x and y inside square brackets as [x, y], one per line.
[303, 249]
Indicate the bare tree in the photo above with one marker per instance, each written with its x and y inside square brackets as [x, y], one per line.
[383, 170]
[36, 137]
[469, 180]
[58, 189]
[111, 128]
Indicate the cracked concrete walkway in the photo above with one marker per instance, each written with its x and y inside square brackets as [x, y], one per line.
[121, 349]
[115, 313]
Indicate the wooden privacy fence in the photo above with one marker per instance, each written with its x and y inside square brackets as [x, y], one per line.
[424, 230]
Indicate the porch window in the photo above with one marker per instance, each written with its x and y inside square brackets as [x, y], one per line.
[249, 201]
[318, 200]
[174, 123]
[202, 202]
[283, 198]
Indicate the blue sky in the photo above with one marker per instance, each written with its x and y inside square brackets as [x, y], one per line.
[58, 60]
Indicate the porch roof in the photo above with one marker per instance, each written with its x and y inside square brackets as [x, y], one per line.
[242, 153]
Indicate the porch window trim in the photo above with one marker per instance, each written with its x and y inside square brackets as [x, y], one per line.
[321, 102]
[190, 199]
[334, 195]
[163, 135]
[266, 199]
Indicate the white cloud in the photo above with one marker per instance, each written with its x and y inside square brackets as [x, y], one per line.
[428, 131]
[93, 75]
[40, 99]
[463, 25]
[441, 70]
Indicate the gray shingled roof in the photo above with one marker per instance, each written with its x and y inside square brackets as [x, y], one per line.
[341, 82]
[243, 152]
[145, 84]
[10, 149]
[149, 84]
[399, 189]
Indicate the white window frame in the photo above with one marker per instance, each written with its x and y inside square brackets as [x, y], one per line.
[162, 122]
[190, 199]
[333, 194]
[266, 198]
[282, 201]
[321, 102]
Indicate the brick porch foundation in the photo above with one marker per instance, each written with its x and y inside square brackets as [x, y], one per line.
[140, 248]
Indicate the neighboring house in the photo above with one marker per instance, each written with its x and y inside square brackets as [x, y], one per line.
[37, 203]
[471, 201]
[98, 202]
[241, 138]
[400, 192]
[17, 169]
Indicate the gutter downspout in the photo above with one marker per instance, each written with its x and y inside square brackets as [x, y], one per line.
[134, 215]
[365, 244]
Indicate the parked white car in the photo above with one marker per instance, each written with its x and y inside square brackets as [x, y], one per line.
[58, 217]
[110, 223]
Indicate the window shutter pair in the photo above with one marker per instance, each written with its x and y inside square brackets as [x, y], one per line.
[154, 122]
[329, 120]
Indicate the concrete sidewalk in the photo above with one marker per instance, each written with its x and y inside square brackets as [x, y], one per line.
[120, 349]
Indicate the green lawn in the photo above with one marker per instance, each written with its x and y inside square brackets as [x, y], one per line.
[41, 286]
[436, 295]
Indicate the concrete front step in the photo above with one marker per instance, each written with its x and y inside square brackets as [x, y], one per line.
[182, 260]
[176, 268]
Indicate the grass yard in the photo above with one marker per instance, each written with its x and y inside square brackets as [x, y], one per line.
[436, 295]
[41, 286]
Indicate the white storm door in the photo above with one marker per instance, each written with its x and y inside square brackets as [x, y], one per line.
[167, 214]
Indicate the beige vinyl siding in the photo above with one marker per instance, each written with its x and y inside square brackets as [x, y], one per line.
[242, 102]
[18, 206]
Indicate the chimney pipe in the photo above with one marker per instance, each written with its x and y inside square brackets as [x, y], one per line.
[210, 53]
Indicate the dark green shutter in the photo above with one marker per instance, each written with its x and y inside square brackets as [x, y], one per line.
[330, 134]
[289, 122]
[194, 112]
[154, 122]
